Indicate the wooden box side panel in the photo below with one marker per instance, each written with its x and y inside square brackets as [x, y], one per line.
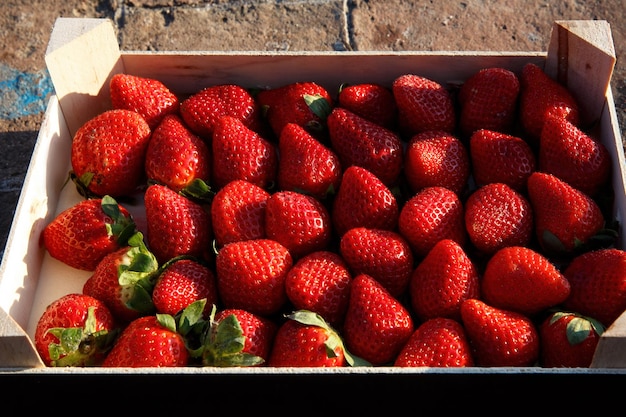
[186, 74]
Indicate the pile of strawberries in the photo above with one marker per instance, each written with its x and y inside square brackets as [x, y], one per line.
[416, 224]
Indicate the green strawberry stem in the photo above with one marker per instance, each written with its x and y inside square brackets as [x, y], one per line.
[122, 227]
[80, 346]
[320, 107]
[198, 191]
[579, 328]
[334, 340]
[138, 274]
[223, 344]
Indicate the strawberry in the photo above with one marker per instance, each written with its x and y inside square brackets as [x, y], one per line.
[439, 342]
[176, 225]
[306, 104]
[259, 333]
[358, 141]
[541, 96]
[382, 254]
[320, 282]
[436, 158]
[488, 100]
[377, 325]
[175, 156]
[499, 337]
[371, 101]
[147, 96]
[568, 340]
[238, 212]
[423, 104]
[123, 280]
[565, 217]
[203, 109]
[240, 153]
[182, 281]
[251, 275]
[520, 279]
[306, 340]
[75, 330]
[363, 200]
[442, 281]
[81, 235]
[497, 216]
[108, 153]
[572, 155]
[299, 222]
[598, 284]
[306, 165]
[433, 214]
[498, 157]
[149, 341]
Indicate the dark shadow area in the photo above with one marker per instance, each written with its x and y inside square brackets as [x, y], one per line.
[16, 149]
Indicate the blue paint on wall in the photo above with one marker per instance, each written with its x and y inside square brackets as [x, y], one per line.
[23, 93]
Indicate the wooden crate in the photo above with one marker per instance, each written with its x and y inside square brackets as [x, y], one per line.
[82, 56]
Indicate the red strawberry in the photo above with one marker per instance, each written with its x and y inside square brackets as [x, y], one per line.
[358, 141]
[497, 216]
[147, 96]
[499, 337]
[251, 275]
[74, 330]
[202, 110]
[175, 156]
[568, 340]
[575, 157]
[433, 214]
[423, 104]
[442, 281]
[598, 284]
[238, 212]
[259, 332]
[306, 165]
[123, 281]
[382, 254]
[306, 104]
[148, 342]
[520, 279]
[84, 233]
[306, 340]
[436, 158]
[488, 100]
[371, 101]
[182, 282]
[240, 153]
[363, 200]
[565, 218]
[498, 157]
[176, 225]
[320, 282]
[541, 96]
[299, 222]
[438, 342]
[108, 153]
[377, 325]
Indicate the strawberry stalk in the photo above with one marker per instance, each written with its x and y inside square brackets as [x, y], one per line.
[579, 328]
[138, 274]
[122, 227]
[334, 340]
[198, 191]
[80, 345]
[223, 344]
